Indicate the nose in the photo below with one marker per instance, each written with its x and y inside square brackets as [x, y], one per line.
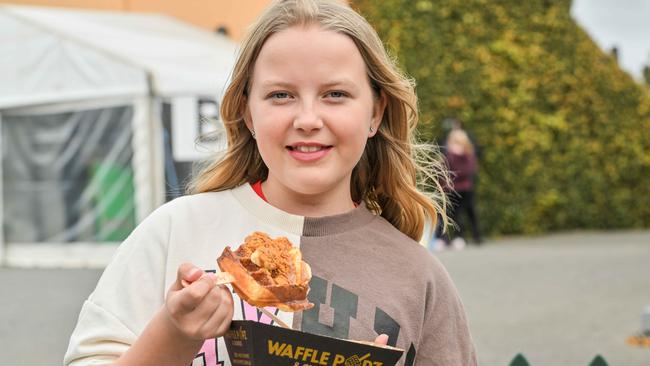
[308, 118]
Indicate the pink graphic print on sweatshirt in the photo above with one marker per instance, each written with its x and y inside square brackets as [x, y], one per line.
[209, 354]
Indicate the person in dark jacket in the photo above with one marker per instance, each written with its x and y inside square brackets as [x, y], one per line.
[461, 160]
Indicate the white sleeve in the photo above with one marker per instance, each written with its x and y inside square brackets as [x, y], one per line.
[99, 338]
[130, 291]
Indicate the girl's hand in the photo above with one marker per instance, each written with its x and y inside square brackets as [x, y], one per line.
[382, 340]
[201, 310]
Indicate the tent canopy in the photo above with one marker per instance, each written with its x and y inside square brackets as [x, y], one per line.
[56, 55]
[90, 104]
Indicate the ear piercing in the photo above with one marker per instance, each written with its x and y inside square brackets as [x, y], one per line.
[253, 133]
[371, 130]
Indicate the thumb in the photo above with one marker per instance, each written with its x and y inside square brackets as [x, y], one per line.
[382, 339]
[187, 273]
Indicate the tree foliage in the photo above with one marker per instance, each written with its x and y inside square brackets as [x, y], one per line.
[565, 134]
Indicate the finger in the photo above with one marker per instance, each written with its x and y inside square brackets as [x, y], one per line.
[382, 339]
[219, 321]
[193, 295]
[212, 299]
[206, 309]
[187, 272]
[220, 278]
[209, 275]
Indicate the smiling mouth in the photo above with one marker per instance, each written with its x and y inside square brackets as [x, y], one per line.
[307, 149]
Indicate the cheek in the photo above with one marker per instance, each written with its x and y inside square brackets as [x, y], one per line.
[268, 120]
[352, 141]
[353, 125]
[270, 132]
[268, 139]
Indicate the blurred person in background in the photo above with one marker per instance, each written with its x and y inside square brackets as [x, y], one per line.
[460, 155]
[452, 123]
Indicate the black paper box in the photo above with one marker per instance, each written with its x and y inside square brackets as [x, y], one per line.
[251, 343]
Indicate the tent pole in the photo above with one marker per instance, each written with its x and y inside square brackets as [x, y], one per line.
[157, 149]
[3, 260]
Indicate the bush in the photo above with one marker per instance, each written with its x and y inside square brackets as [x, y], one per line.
[565, 134]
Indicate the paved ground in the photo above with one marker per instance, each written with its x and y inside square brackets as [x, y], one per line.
[559, 300]
[38, 310]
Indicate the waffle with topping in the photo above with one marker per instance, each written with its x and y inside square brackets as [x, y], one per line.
[268, 272]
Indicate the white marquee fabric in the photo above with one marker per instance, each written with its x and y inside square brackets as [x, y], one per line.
[52, 53]
[38, 67]
[82, 99]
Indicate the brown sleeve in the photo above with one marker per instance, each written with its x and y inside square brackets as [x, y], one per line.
[445, 338]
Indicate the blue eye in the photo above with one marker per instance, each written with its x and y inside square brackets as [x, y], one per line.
[280, 95]
[336, 94]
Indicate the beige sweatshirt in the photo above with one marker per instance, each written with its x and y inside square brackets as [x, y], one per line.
[368, 279]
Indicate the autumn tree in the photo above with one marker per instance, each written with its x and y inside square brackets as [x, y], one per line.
[565, 133]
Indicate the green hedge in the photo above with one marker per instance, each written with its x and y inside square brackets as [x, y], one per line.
[565, 134]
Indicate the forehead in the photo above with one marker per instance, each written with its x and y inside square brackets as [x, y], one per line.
[308, 52]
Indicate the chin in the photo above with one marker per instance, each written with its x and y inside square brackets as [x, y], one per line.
[310, 185]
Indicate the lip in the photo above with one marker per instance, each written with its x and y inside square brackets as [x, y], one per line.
[308, 156]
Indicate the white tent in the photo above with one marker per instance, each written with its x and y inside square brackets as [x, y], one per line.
[99, 111]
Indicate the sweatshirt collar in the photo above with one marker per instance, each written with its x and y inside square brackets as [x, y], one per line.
[300, 225]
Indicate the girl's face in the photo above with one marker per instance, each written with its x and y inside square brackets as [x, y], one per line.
[312, 108]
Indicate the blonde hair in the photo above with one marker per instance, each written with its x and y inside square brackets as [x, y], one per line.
[386, 176]
[459, 137]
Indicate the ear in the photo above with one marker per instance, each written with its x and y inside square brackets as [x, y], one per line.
[247, 118]
[378, 109]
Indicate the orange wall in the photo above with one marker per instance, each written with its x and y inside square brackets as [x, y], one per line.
[91, 4]
[208, 14]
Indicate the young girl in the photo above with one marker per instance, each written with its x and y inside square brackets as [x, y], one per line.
[319, 127]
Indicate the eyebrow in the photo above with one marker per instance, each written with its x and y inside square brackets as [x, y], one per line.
[272, 84]
[329, 84]
[342, 82]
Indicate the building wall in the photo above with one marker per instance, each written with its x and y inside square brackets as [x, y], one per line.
[236, 16]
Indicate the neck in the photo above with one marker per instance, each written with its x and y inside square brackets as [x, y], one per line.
[308, 204]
